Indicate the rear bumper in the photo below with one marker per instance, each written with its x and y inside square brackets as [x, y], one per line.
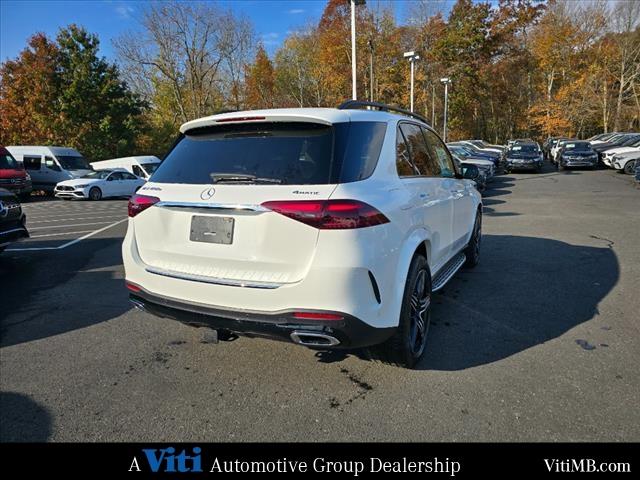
[350, 332]
[342, 277]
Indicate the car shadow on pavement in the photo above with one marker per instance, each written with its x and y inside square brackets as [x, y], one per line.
[525, 292]
[52, 292]
[23, 420]
[489, 203]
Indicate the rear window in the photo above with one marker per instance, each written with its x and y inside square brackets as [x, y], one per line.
[292, 153]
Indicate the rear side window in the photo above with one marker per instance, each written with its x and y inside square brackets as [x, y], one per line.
[403, 158]
[138, 171]
[418, 149]
[292, 153]
[31, 162]
[438, 151]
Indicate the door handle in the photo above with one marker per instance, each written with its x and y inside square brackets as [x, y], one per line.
[424, 195]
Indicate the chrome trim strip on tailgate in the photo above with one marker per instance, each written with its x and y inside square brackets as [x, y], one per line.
[215, 206]
[214, 280]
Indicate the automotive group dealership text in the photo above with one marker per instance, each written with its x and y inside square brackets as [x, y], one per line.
[167, 461]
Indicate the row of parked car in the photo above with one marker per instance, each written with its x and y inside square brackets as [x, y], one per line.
[65, 173]
[618, 150]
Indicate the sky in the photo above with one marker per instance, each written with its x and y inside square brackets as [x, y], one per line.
[272, 19]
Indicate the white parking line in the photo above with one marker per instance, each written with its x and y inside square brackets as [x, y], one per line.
[66, 226]
[46, 215]
[73, 218]
[58, 234]
[68, 244]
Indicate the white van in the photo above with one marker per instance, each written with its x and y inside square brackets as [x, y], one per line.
[140, 166]
[50, 165]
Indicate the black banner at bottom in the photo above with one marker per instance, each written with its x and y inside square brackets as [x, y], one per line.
[455, 460]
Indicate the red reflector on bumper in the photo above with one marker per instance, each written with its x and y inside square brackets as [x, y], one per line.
[317, 316]
[133, 288]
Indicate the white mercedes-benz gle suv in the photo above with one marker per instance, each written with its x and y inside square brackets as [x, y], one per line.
[328, 227]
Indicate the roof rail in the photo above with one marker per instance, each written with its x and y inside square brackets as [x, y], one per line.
[358, 104]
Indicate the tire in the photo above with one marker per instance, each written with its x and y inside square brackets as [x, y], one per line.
[630, 167]
[472, 252]
[95, 194]
[407, 345]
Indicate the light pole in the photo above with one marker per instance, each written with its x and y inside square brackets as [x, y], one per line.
[433, 105]
[412, 60]
[446, 81]
[370, 43]
[354, 90]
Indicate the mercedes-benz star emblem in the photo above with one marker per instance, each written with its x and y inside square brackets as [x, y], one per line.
[208, 193]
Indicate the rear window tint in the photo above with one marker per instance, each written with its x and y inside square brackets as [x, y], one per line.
[292, 153]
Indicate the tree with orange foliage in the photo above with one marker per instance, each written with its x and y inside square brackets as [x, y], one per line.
[260, 82]
[29, 88]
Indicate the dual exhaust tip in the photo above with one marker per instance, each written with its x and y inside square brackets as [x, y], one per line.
[313, 339]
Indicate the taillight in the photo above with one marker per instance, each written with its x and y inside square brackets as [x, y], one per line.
[139, 203]
[329, 214]
[317, 316]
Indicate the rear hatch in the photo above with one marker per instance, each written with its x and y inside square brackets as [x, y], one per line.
[220, 190]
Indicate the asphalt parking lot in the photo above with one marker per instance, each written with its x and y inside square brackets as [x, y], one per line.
[59, 224]
[541, 342]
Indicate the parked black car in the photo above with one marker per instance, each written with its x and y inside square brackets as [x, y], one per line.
[12, 219]
[523, 156]
[578, 153]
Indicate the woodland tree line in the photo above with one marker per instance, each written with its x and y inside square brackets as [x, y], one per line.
[523, 68]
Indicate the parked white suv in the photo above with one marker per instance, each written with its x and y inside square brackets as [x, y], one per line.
[327, 227]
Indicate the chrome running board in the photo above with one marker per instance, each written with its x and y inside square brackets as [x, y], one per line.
[448, 271]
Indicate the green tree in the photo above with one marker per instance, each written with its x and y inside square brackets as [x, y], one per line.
[98, 112]
[62, 93]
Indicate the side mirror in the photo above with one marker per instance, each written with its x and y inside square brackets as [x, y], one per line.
[470, 172]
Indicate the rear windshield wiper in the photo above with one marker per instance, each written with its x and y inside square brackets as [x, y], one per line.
[240, 178]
